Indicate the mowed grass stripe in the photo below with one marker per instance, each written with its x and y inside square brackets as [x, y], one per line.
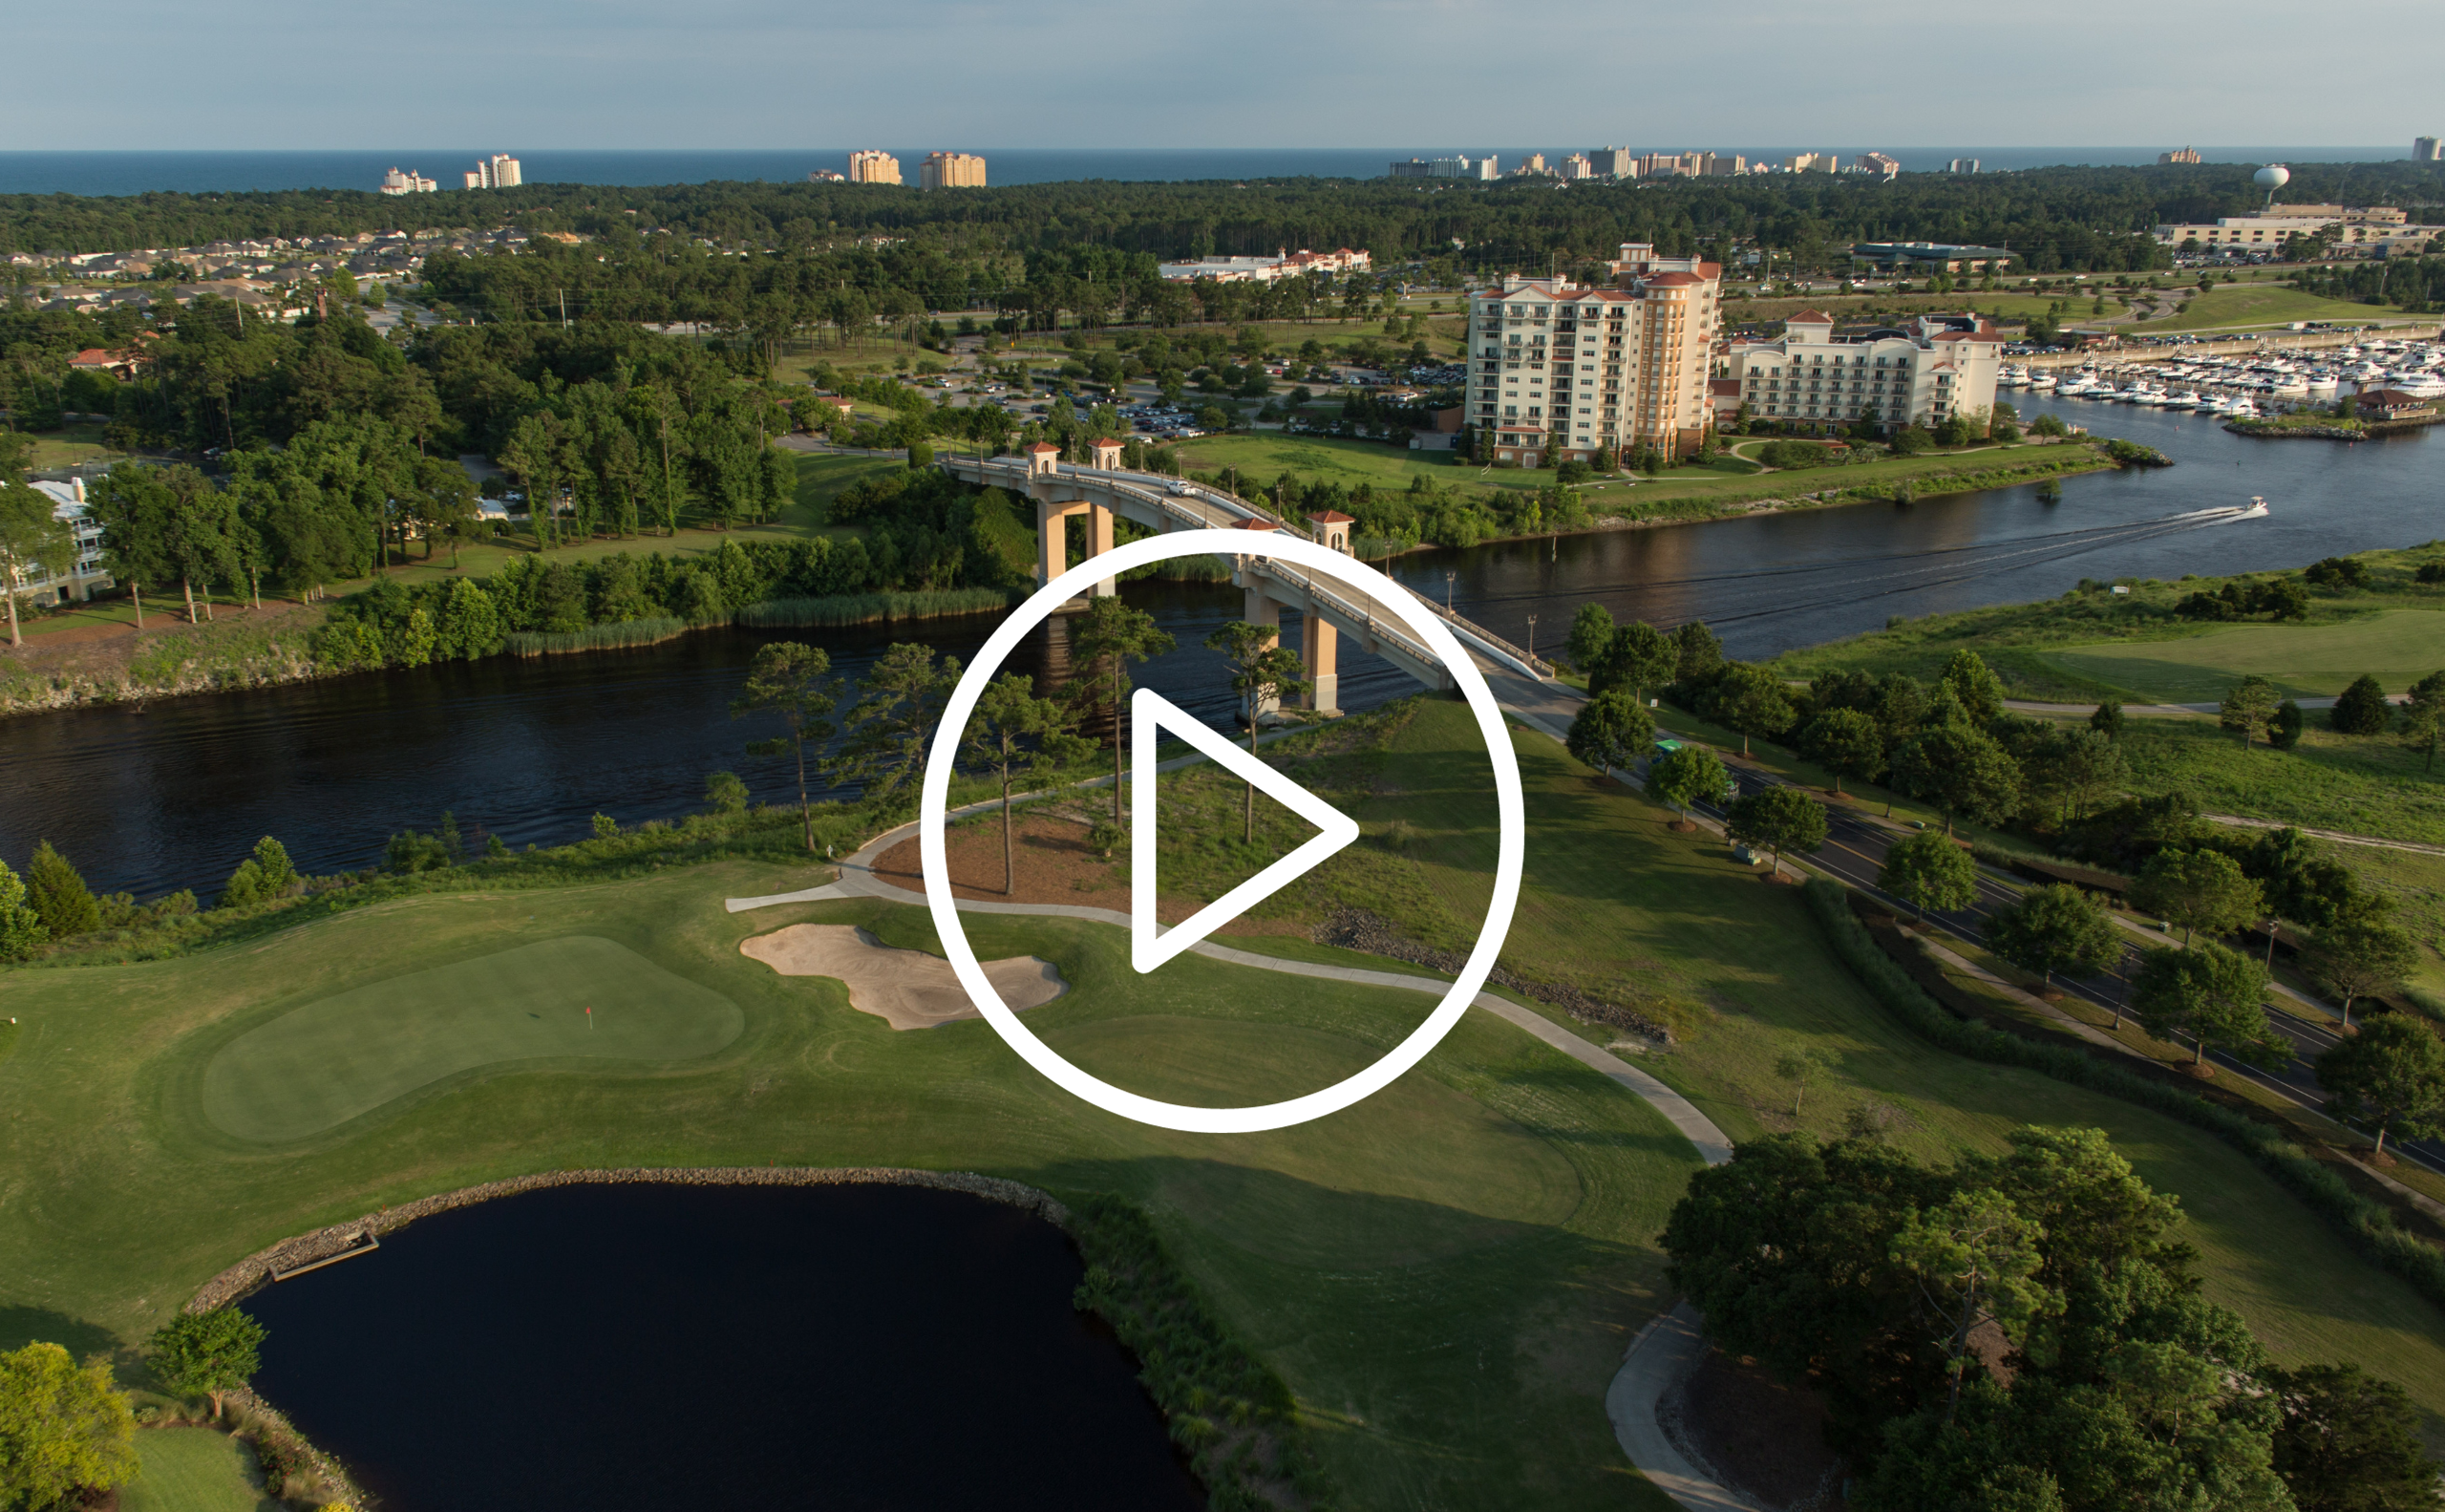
[2397, 647]
[320, 1065]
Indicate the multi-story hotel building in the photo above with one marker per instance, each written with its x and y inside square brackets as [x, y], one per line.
[499, 171]
[1560, 371]
[1816, 383]
[873, 167]
[948, 170]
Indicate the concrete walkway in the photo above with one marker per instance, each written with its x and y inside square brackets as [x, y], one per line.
[1665, 1351]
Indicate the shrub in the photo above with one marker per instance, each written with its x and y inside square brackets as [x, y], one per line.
[1791, 453]
[2362, 710]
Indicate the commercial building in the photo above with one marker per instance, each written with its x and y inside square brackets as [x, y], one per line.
[1963, 166]
[1560, 371]
[1881, 166]
[949, 170]
[499, 171]
[2185, 155]
[408, 182]
[2427, 149]
[1929, 257]
[1614, 163]
[1265, 270]
[1815, 382]
[2268, 229]
[873, 167]
[1482, 168]
[85, 576]
[1576, 166]
[1812, 162]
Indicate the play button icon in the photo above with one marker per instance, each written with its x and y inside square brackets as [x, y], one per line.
[1150, 943]
[1368, 603]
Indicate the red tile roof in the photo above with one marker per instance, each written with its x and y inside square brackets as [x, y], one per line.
[1332, 517]
[1044, 446]
[1810, 317]
[1106, 440]
[1256, 524]
[1673, 280]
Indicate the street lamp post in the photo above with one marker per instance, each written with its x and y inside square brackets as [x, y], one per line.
[1532, 639]
[1447, 590]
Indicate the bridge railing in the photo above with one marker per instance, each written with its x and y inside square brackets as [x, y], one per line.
[1206, 507]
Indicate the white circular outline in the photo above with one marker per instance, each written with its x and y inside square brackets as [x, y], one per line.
[1511, 845]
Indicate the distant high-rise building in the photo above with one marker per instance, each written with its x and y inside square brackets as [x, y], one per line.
[952, 170]
[1881, 166]
[1812, 162]
[1963, 166]
[499, 171]
[1459, 168]
[1614, 163]
[408, 182]
[2186, 155]
[2427, 149]
[873, 167]
[1577, 166]
[1722, 165]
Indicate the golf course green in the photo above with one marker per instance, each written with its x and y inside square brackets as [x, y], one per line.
[576, 998]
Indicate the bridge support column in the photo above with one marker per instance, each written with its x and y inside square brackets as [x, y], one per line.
[1320, 648]
[1100, 541]
[1266, 614]
[1053, 536]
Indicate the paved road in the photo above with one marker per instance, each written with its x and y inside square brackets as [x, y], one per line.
[1855, 842]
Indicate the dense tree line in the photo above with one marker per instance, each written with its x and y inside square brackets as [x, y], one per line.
[2415, 284]
[2023, 1334]
[2074, 218]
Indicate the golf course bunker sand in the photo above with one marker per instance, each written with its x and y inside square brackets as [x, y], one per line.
[571, 1001]
[905, 988]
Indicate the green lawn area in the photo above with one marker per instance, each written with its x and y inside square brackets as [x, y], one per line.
[2359, 784]
[71, 445]
[2033, 646]
[2259, 304]
[2397, 647]
[194, 1470]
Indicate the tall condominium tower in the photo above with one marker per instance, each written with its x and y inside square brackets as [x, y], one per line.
[952, 170]
[873, 167]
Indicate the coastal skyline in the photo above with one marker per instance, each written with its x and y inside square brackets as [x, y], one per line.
[627, 77]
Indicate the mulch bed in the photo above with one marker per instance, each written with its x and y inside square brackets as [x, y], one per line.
[1760, 1436]
[1053, 863]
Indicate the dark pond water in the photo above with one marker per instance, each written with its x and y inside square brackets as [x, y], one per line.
[173, 796]
[869, 1349]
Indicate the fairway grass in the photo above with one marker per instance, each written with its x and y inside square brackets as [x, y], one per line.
[194, 1470]
[2397, 647]
[576, 998]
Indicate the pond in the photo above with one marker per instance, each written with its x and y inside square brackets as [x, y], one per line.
[653, 1347]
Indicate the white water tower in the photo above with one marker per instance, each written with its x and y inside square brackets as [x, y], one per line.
[2271, 178]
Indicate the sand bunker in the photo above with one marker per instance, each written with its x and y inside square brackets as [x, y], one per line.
[906, 988]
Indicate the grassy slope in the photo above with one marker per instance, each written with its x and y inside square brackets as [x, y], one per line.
[193, 1470]
[2025, 643]
[2398, 646]
[2259, 304]
[2362, 785]
[1738, 961]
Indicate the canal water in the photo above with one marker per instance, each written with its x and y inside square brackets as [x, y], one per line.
[172, 796]
[637, 1349]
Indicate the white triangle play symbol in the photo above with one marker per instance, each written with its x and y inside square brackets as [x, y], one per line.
[1150, 945]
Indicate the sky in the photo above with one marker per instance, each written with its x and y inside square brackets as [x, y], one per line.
[790, 74]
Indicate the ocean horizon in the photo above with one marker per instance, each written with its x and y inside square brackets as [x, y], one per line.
[113, 173]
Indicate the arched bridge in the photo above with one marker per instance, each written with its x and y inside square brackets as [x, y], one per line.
[1330, 609]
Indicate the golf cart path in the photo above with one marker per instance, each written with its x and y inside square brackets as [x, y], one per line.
[1662, 1354]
